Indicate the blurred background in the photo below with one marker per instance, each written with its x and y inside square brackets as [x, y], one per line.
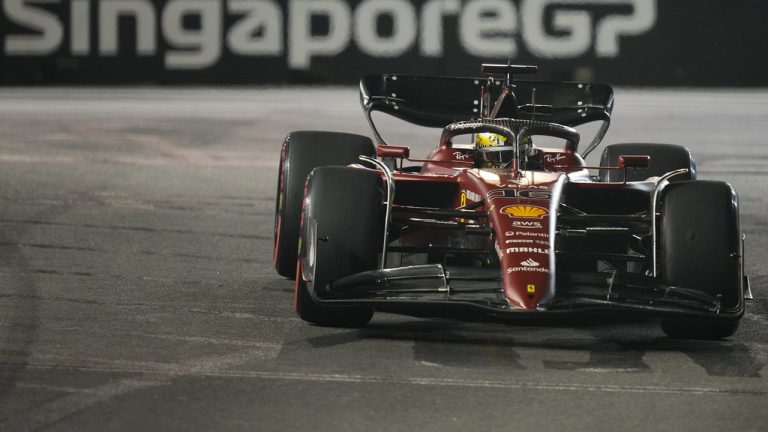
[625, 42]
[139, 149]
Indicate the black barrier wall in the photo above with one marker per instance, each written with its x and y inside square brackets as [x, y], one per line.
[629, 42]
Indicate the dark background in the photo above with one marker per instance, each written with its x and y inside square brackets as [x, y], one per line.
[702, 43]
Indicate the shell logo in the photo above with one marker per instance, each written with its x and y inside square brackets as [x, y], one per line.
[524, 211]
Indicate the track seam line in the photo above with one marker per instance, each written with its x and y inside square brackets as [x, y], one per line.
[171, 370]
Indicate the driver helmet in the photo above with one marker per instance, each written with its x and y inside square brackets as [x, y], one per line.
[493, 151]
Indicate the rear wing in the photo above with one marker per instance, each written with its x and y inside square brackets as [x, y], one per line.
[439, 101]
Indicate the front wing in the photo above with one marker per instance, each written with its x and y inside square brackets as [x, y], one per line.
[434, 290]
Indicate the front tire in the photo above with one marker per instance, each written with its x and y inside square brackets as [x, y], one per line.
[679, 328]
[342, 234]
[701, 250]
[302, 152]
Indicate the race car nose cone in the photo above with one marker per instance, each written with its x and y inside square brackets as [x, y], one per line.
[525, 275]
[527, 302]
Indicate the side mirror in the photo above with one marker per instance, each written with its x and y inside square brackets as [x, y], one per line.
[634, 161]
[397, 152]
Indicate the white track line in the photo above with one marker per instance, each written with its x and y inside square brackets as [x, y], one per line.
[213, 368]
[53, 411]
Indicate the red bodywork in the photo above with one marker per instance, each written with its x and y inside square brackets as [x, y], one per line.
[523, 232]
[518, 212]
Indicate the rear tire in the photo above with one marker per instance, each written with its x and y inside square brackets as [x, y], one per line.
[664, 158]
[342, 233]
[301, 153]
[701, 250]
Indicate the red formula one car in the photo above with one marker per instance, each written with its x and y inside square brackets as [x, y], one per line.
[513, 224]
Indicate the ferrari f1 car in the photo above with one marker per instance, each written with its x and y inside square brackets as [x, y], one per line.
[503, 225]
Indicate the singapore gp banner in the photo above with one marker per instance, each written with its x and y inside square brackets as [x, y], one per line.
[631, 42]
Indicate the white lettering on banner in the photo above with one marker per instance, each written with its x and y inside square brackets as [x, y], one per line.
[431, 28]
[201, 47]
[577, 26]
[24, 13]
[143, 13]
[611, 28]
[260, 16]
[486, 28]
[404, 26]
[302, 45]
[80, 19]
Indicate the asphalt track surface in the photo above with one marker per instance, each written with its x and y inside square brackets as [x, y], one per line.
[137, 289]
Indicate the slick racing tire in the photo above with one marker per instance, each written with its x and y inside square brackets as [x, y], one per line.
[701, 250]
[664, 158]
[680, 328]
[341, 234]
[301, 153]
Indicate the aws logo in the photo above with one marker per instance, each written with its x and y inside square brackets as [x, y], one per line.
[524, 211]
[527, 224]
